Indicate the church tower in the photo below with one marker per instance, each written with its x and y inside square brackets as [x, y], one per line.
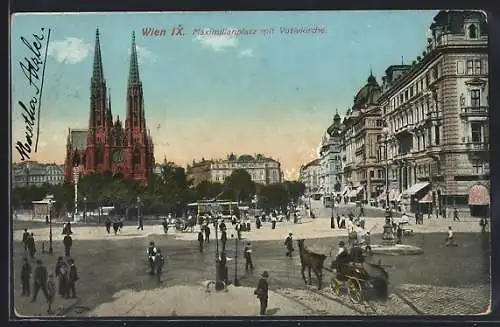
[136, 155]
[97, 138]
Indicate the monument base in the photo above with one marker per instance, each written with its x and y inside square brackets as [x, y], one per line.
[396, 249]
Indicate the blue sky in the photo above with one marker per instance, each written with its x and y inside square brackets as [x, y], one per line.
[208, 96]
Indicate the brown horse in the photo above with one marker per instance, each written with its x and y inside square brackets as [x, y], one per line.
[311, 260]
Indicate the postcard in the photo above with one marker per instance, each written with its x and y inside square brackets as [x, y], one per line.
[274, 164]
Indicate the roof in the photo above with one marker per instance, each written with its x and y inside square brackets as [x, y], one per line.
[315, 162]
[78, 138]
[368, 93]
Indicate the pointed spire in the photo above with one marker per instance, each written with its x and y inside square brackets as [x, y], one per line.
[97, 74]
[133, 77]
[109, 99]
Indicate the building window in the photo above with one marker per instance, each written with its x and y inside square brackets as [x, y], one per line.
[477, 169]
[476, 134]
[436, 131]
[472, 31]
[470, 67]
[372, 174]
[460, 67]
[477, 67]
[406, 95]
[475, 98]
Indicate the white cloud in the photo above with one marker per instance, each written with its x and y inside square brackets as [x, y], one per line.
[246, 53]
[71, 50]
[218, 42]
[144, 55]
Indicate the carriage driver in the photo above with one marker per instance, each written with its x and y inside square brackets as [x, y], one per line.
[151, 252]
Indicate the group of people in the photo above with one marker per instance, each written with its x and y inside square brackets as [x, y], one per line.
[65, 271]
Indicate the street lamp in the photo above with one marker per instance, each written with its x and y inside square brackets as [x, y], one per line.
[333, 202]
[236, 281]
[388, 235]
[85, 209]
[51, 250]
[139, 218]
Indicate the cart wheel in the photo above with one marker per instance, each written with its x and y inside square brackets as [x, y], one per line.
[335, 286]
[354, 290]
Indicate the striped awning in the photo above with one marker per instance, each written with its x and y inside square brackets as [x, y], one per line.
[479, 195]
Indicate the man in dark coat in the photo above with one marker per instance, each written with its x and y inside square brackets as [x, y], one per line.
[332, 222]
[31, 245]
[40, 281]
[222, 226]
[68, 242]
[62, 275]
[258, 223]
[455, 215]
[26, 236]
[25, 277]
[207, 234]
[356, 253]
[338, 221]
[200, 240]
[289, 245]
[262, 292]
[159, 262]
[247, 253]
[151, 252]
[73, 278]
[223, 239]
[108, 225]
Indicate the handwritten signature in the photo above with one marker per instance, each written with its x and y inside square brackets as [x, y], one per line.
[30, 67]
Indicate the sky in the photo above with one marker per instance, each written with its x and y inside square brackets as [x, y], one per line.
[205, 96]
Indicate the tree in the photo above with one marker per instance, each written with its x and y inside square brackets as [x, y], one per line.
[273, 196]
[240, 185]
[294, 189]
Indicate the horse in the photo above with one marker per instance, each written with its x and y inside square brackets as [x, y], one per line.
[311, 260]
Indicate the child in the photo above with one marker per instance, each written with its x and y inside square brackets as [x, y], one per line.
[51, 290]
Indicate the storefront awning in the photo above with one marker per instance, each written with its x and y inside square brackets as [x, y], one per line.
[427, 198]
[415, 188]
[353, 193]
[479, 195]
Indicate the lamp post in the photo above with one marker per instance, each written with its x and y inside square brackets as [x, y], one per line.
[332, 199]
[85, 209]
[139, 218]
[51, 250]
[388, 236]
[236, 281]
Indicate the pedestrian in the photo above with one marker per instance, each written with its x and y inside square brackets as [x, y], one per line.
[73, 278]
[289, 245]
[68, 242]
[342, 222]
[238, 230]
[51, 291]
[26, 236]
[108, 225]
[31, 246]
[332, 222]
[273, 221]
[159, 262]
[25, 277]
[455, 215]
[40, 281]
[362, 222]
[247, 253]
[47, 220]
[258, 222]
[165, 226]
[483, 223]
[151, 253]
[399, 234]
[338, 220]
[200, 240]
[295, 218]
[141, 225]
[449, 239]
[262, 292]
[223, 239]
[62, 275]
[207, 234]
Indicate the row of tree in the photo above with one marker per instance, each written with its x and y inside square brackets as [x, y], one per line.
[169, 191]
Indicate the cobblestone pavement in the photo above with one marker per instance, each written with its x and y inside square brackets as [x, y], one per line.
[109, 266]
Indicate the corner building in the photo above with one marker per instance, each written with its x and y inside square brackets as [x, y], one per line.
[437, 118]
[109, 145]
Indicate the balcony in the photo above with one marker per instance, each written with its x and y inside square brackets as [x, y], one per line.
[478, 146]
[477, 111]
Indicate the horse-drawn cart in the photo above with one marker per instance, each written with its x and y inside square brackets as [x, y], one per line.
[355, 279]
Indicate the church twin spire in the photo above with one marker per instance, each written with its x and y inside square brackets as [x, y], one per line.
[133, 77]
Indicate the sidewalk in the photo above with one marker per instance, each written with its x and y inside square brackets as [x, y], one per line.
[194, 301]
[309, 228]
